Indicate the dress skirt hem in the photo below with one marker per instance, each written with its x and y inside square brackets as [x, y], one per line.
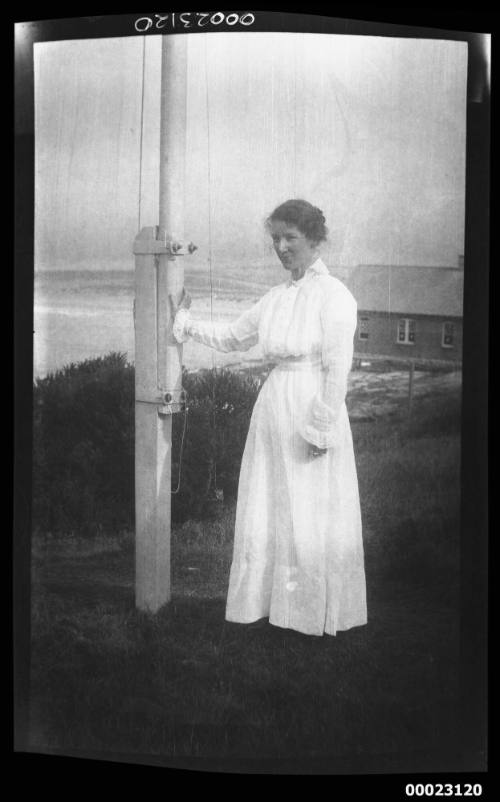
[284, 625]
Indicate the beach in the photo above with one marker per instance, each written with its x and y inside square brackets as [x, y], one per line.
[79, 315]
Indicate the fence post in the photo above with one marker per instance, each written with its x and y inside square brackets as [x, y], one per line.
[411, 372]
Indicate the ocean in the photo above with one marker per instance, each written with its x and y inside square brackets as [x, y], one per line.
[83, 314]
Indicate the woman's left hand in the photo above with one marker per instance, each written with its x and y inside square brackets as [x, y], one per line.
[314, 451]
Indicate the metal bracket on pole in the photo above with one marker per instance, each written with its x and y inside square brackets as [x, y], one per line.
[173, 401]
[168, 401]
[161, 245]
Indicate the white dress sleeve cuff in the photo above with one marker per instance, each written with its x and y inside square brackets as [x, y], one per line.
[180, 327]
[321, 428]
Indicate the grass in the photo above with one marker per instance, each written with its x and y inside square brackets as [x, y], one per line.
[185, 684]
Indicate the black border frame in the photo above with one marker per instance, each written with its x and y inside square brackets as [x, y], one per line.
[359, 20]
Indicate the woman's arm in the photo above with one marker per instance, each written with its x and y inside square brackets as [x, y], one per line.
[238, 335]
[338, 323]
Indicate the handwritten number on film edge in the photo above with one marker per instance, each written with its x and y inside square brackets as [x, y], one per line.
[185, 20]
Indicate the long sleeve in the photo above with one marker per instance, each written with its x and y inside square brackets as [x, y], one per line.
[239, 335]
[338, 324]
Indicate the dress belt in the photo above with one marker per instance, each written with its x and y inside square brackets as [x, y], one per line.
[299, 363]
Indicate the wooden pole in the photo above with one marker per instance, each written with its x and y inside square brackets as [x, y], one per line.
[411, 373]
[172, 185]
[158, 358]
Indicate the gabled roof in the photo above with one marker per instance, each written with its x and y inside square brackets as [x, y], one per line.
[408, 289]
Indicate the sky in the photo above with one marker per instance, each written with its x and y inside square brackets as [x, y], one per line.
[370, 129]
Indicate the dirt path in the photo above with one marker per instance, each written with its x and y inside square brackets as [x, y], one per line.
[373, 394]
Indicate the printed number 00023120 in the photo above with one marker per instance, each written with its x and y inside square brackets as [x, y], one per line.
[443, 789]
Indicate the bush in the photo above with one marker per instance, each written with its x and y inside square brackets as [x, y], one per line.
[84, 444]
[83, 475]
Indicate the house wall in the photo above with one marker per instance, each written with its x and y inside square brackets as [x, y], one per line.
[383, 332]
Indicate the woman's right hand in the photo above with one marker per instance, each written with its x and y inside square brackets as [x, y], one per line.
[184, 302]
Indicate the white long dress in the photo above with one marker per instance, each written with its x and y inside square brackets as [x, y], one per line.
[298, 551]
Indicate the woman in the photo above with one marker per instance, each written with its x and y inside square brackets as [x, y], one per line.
[298, 551]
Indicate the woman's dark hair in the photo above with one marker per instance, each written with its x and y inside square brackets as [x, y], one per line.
[303, 215]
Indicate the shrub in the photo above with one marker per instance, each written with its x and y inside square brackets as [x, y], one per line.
[83, 473]
[84, 444]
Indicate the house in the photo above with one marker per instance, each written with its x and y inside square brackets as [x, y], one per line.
[408, 312]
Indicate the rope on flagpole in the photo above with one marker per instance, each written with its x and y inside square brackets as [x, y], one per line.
[209, 200]
[141, 131]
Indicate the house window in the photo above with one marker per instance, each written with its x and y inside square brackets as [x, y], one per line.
[363, 328]
[406, 331]
[448, 335]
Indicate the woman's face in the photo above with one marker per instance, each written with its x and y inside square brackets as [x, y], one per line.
[295, 252]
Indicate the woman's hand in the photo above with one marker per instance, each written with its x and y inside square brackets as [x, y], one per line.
[314, 451]
[184, 302]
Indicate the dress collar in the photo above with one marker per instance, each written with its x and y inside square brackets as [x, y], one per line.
[317, 267]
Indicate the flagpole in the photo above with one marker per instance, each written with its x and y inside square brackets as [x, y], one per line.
[159, 272]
